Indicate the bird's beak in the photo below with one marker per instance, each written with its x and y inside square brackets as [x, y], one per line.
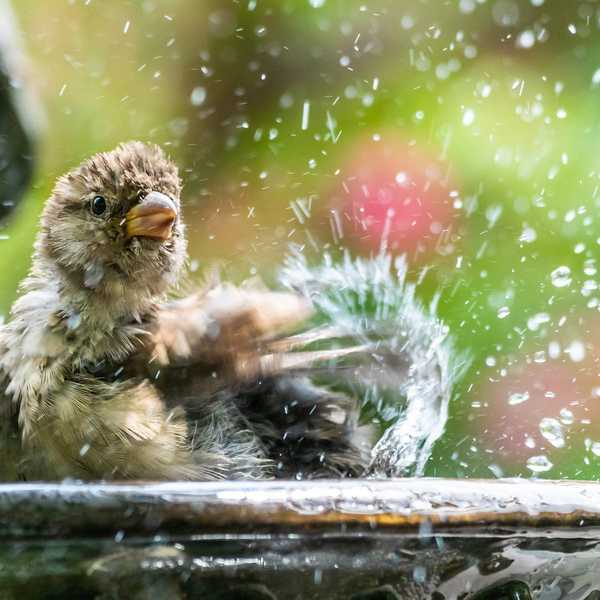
[151, 218]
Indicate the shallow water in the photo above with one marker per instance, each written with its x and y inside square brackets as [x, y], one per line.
[544, 565]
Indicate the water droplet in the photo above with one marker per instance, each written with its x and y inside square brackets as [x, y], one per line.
[466, 6]
[528, 235]
[561, 277]
[526, 39]
[506, 13]
[566, 416]
[503, 312]
[552, 430]
[198, 96]
[305, 115]
[401, 178]
[496, 470]
[286, 101]
[468, 117]
[492, 214]
[539, 464]
[554, 349]
[518, 398]
[74, 321]
[533, 324]
[576, 351]
[419, 574]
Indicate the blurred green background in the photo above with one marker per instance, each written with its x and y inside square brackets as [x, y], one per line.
[466, 134]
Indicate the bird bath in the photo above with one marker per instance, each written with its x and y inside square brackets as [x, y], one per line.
[435, 116]
[359, 539]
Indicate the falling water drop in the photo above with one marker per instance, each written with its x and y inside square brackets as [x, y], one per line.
[539, 464]
[518, 398]
[566, 416]
[503, 312]
[198, 96]
[561, 277]
[552, 430]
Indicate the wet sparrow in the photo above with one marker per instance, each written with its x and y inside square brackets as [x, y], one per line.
[102, 375]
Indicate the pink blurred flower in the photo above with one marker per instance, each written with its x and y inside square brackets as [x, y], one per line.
[395, 193]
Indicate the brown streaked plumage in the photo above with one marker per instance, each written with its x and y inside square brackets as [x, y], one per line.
[102, 376]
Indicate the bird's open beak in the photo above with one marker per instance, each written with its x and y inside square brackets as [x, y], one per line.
[151, 218]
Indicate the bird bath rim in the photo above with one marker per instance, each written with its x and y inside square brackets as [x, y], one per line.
[411, 506]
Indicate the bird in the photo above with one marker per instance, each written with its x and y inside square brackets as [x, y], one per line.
[109, 372]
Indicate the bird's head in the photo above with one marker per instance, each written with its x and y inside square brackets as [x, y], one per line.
[113, 224]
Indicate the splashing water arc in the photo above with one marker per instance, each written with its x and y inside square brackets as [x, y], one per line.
[374, 309]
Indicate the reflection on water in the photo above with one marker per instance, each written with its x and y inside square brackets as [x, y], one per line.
[522, 566]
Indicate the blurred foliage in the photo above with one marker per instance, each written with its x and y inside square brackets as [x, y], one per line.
[480, 116]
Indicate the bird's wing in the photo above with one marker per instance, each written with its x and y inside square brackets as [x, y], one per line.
[228, 326]
[232, 349]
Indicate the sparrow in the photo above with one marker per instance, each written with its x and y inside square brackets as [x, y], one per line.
[107, 371]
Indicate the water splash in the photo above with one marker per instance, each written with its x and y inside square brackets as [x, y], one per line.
[404, 367]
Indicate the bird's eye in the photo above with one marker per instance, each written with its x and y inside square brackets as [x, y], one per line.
[98, 205]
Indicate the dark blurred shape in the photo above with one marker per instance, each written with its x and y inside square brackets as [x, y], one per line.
[514, 590]
[384, 592]
[18, 117]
